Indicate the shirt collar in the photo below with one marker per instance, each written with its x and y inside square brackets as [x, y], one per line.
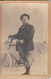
[25, 24]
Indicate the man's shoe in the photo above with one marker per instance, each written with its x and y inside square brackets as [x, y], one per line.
[26, 73]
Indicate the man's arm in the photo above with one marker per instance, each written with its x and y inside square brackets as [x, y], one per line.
[18, 35]
[30, 33]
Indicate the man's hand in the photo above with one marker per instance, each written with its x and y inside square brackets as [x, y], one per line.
[21, 41]
[10, 36]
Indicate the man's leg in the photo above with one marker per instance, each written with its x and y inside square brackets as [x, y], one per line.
[27, 71]
[29, 59]
[26, 60]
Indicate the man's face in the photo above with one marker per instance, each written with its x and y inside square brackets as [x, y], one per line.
[25, 19]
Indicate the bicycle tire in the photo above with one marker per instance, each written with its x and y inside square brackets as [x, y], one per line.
[8, 69]
[37, 57]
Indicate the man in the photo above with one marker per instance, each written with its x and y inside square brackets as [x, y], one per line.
[26, 46]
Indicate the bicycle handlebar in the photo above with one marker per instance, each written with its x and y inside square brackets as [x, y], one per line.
[11, 39]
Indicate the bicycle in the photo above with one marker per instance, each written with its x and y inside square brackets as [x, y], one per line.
[18, 63]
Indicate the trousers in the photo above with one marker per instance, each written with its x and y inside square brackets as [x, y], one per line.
[27, 58]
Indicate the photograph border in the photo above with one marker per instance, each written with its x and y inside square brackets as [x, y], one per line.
[47, 75]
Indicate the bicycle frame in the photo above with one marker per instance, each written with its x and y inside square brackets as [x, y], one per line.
[9, 48]
[10, 44]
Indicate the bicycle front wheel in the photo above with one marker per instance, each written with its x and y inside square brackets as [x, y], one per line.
[6, 62]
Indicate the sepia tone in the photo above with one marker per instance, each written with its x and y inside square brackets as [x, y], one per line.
[25, 0]
[15, 22]
[5, 35]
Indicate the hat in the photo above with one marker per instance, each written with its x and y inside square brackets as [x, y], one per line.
[24, 15]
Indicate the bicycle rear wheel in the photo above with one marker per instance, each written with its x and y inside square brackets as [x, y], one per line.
[6, 62]
[36, 57]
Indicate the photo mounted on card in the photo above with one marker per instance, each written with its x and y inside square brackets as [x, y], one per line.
[25, 0]
[25, 38]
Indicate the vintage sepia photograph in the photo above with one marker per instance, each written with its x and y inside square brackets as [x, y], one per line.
[24, 39]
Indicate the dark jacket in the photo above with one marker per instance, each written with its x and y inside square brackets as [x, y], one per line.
[26, 33]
